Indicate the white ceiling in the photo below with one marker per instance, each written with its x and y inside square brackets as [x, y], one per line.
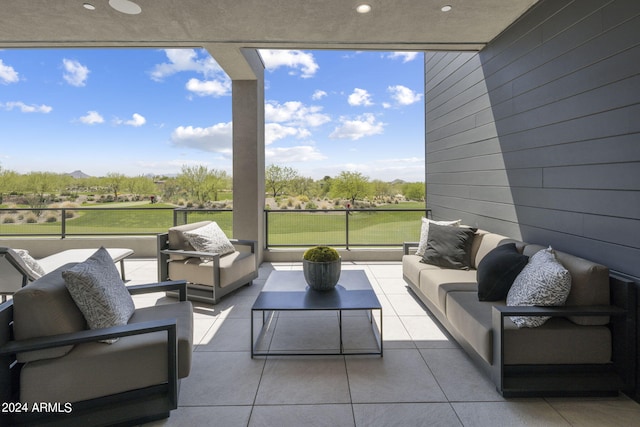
[224, 24]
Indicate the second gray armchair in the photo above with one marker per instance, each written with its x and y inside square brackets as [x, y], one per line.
[190, 252]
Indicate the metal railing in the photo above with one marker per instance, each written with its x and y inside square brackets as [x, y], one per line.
[342, 228]
[283, 228]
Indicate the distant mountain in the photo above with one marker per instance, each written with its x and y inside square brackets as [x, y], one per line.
[79, 174]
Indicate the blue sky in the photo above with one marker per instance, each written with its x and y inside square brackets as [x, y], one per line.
[150, 111]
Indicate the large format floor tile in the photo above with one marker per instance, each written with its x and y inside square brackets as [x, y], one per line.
[424, 378]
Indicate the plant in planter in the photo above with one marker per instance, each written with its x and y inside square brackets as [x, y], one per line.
[321, 266]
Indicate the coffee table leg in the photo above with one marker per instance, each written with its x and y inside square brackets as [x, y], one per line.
[340, 325]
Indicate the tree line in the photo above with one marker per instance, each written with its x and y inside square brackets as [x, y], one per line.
[199, 185]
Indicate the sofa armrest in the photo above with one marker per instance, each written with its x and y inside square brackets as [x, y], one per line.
[92, 335]
[179, 285]
[191, 254]
[498, 314]
[406, 247]
[243, 242]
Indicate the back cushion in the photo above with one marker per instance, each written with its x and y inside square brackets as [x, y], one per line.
[45, 308]
[485, 242]
[589, 283]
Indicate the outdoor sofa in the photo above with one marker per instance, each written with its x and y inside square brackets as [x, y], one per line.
[56, 368]
[585, 348]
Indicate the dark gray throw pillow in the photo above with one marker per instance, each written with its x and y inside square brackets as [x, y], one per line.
[449, 247]
[497, 271]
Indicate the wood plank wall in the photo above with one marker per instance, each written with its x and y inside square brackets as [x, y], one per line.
[538, 135]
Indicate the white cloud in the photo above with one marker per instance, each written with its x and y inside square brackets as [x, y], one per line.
[24, 108]
[276, 131]
[297, 60]
[403, 95]
[302, 153]
[217, 138]
[295, 113]
[137, 120]
[215, 88]
[360, 97]
[405, 56]
[8, 74]
[180, 60]
[318, 94]
[92, 118]
[365, 125]
[75, 73]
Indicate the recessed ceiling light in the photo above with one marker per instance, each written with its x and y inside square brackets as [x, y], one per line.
[363, 8]
[446, 8]
[125, 6]
[88, 6]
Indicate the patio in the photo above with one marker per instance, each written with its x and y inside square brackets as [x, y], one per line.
[423, 378]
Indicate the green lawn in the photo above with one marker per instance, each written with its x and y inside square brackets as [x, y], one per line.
[290, 228]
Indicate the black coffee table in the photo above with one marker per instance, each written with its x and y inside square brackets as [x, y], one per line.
[288, 291]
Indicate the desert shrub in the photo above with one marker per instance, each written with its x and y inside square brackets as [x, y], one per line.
[8, 220]
[303, 199]
[283, 206]
[69, 214]
[311, 205]
[51, 218]
[31, 218]
[290, 202]
[298, 206]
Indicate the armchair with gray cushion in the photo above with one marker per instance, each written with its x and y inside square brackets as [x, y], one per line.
[210, 274]
[57, 369]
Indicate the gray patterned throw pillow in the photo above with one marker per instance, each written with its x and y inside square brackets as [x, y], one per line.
[542, 282]
[211, 239]
[99, 292]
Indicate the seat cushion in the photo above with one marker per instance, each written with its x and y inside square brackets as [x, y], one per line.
[436, 283]
[94, 369]
[411, 268]
[233, 267]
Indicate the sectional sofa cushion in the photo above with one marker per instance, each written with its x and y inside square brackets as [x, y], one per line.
[98, 291]
[424, 232]
[542, 282]
[497, 271]
[449, 247]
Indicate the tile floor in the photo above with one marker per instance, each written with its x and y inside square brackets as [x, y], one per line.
[424, 379]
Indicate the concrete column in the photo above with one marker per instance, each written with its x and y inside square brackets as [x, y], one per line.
[246, 70]
[248, 161]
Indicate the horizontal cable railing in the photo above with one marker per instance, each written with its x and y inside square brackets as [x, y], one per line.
[283, 228]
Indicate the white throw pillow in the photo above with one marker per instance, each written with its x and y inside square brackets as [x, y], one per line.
[542, 282]
[99, 292]
[35, 269]
[424, 232]
[210, 238]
